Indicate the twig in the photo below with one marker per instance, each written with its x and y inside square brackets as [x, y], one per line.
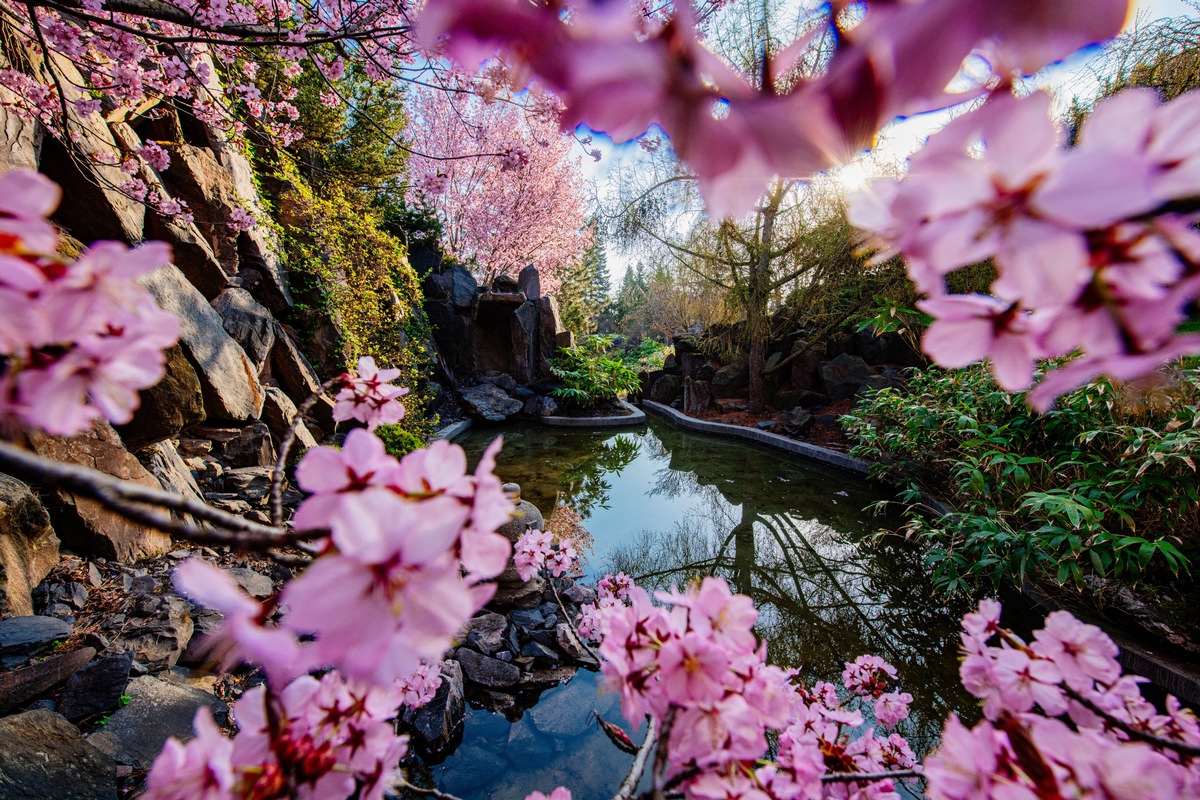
[855, 777]
[570, 626]
[1134, 733]
[440, 795]
[285, 447]
[660, 754]
[128, 499]
[639, 763]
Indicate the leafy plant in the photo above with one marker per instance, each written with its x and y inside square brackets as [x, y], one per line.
[397, 441]
[648, 355]
[592, 373]
[1106, 483]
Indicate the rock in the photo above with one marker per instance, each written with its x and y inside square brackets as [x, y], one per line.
[519, 594]
[525, 743]
[228, 379]
[28, 546]
[279, 412]
[164, 463]
[84, 524]
[666, 389]
[486, 671]
[566, 642]
[828, 420]
[474, 769]
[193, 255]
[44, 757]
[565, 712]
[252, 484]
[20, 138]
[528, 620]
[731, 378]
[525, 325]
[437, 722]
[246, 446]
[842, 376]
[797, 421]
[537, 650]
[174, 403]
[485, 632]
[503, 380]
[765, 425]
[540, 406]
[551, 335]
[157, 710]
[580, 594]
[804, 366]
[525, 516]
[504, 284]
[490, 402]
[299, 380]
[158, 640]
[787, 399]
[96, 688]
[255, 583]
[529, 282]
[249, 323]
[462, 288]
[22, 637]
[19, 686]
[877, 382]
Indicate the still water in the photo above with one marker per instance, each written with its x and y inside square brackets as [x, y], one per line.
[667, 507]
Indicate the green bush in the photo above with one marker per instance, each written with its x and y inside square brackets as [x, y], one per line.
[398, 441]
[591, 373]
[1105, 483]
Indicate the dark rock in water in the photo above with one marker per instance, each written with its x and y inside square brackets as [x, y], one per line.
[474, 769]
[44, 757]
[565, 712]
[525, 744]
[21, 685]
[437, 722]
[156, 710]
[97, 688]
[485, 633]
[255, 583]
[487, 671]
[21, 637]
[537, 650]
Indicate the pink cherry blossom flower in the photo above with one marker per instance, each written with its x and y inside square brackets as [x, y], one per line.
[692, 670]
[1083, 652]
[202, 769]
[891, 708]
[559, 793]
[369, 397]
[26, 199]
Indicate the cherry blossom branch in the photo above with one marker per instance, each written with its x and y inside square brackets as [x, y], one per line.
[629, 784]
[570, 627]
[660, 755]
[1135, 733]
[127, 499]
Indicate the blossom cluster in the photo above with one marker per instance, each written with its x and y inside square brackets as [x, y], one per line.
[620, 71]
[1059, 720]
[369, 397]
[1094, 246]
[319, 738]
[79, 338]
[535, 551]
[695, 665]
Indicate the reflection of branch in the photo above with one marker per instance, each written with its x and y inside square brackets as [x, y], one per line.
[128, 499]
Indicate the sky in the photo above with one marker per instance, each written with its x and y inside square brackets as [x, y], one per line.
[896, 142]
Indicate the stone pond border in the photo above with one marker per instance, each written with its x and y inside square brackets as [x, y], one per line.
[830, 458]
[636, 417]
[452, 431]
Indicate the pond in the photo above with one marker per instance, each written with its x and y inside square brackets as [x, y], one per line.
[668, 507]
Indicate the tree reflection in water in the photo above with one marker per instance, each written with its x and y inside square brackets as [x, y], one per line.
[824, 596]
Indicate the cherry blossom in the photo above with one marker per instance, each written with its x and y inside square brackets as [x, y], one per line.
[370, 398]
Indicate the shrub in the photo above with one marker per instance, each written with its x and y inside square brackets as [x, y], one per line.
[398, 441]
[591, 373]
[1105, 483]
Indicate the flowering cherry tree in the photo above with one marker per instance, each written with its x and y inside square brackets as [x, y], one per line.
[529, 209]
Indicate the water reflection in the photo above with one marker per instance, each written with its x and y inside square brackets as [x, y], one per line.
[668, 507]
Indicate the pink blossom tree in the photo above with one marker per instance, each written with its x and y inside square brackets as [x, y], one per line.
[502, 181]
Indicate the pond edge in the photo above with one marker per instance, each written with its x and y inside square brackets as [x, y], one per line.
[830, 458]
[635, 417]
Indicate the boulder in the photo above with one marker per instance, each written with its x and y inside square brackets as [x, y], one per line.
[246, 446]
[504, 284]
[485, 670]
[529, 282]
[797, 421]
[96, 688]
[159, 634]
[565, 712]
[249, 323]
[881, 381]
[490, 402]
[666, 389]
[164, 463]
[228, 379]
[842, 377]
[475, 769]
[437, 722]
[485, 632]
[28, 546]
[525, 323]
[804, 366]
[279, 412]
[252, 484]
[19, 686]
[731, 379]
[156, 710]
[191, 253]
[20, 138]
[255, 583]
[174, 403]
[22, 637]
[790, 398]
[540, 406]
[84, 524]
[299, 380]
[44, 757]
[462, 288]
[551, 335]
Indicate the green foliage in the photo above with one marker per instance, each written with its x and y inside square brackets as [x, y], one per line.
[397, 441]
[1105, 483]
[583, 295]
[124, 700]
[344, 267]
[647, 356]
[592, 373]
